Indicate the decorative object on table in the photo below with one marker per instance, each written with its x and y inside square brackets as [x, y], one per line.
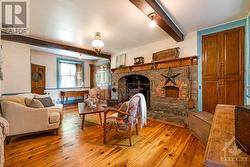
[97, 43]
[91, 102]
[242, 128]
[139, 60]
[167, 54]
[190, 103]
[170, 77]
[121, 60]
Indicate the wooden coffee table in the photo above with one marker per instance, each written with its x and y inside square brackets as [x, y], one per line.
[83, 110]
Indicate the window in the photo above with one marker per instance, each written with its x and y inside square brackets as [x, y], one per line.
[70, 73]
[103, 76]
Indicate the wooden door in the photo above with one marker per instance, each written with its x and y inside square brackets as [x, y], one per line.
[37, 79]
[223, 68]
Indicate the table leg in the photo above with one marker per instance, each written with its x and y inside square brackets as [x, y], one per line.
[100, 116]
[83, 119]
[63, 101]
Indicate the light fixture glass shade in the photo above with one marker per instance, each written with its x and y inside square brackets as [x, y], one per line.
[97, 43]
[152, 24]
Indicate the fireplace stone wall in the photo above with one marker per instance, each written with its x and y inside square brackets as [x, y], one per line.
[163, 106]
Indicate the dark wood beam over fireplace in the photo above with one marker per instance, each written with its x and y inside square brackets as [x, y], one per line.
[162, 19]
[35, 41]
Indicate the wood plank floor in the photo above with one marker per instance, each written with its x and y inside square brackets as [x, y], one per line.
[158, 144]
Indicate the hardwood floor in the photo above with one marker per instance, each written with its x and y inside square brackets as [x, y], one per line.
[158, 144]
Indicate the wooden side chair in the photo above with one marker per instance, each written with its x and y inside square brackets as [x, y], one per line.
[125, 119]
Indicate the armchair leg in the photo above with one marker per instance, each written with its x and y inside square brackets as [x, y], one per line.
[129, 136]
[136, 126]
[104, 134]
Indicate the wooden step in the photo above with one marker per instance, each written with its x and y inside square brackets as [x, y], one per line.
[199, 123]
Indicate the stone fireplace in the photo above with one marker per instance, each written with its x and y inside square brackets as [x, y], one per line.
[166, 102]
[132, 84]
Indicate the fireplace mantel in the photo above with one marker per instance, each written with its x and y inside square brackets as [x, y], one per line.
[180, 62]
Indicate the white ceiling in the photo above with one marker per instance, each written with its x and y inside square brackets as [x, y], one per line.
[74, 21]
[193, 15]
[123, 25]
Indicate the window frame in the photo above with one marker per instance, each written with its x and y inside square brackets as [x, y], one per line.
[70, 61]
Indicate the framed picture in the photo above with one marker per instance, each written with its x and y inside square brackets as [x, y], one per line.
[121, 60]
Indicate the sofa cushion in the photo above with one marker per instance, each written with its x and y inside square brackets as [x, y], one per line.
[46, 101]
[15, 99]
[33, 103]
[54, 117]
[27, 95]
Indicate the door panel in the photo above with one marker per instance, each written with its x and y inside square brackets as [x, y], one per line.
[223, 68]
[232, 53]
[210, 97]
[232, 92]
[210, 56]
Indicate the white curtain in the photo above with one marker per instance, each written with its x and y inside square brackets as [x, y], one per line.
[67, 75]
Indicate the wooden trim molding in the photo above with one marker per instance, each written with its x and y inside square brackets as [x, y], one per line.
[162, 19]
[36, 41]
[180, 62]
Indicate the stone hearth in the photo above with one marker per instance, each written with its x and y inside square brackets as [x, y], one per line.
[167, 104]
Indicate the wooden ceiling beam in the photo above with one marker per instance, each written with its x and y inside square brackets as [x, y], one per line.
[162, 19]
[50, 44]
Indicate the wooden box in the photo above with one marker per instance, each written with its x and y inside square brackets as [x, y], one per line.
[242, 128]
[167, 54]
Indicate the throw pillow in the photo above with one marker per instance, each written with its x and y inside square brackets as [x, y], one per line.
[46, 101]
[34, 103]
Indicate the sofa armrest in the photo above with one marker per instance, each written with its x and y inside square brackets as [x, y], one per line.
[24, 119]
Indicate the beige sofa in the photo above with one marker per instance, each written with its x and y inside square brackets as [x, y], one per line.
[4, 131]
[25, 120]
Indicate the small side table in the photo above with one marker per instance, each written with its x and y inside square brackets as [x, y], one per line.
[83, 110]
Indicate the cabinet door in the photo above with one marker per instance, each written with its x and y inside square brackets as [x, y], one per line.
[234, 66]
[210, 71]
[223, 68]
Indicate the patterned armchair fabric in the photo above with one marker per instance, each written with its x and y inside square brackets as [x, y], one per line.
[124, 120]
[121, 121]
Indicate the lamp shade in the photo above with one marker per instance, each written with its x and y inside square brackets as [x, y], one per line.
[97, 43]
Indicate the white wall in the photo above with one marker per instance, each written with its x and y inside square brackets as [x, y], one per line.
[16, 68]
[187, 48]
[49, 60]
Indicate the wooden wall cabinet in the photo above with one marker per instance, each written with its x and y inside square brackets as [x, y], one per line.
[223, 68]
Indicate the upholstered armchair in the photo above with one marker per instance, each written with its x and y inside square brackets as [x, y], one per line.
[125, 118]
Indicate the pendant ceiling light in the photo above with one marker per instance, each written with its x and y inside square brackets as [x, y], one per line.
[97, 43]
